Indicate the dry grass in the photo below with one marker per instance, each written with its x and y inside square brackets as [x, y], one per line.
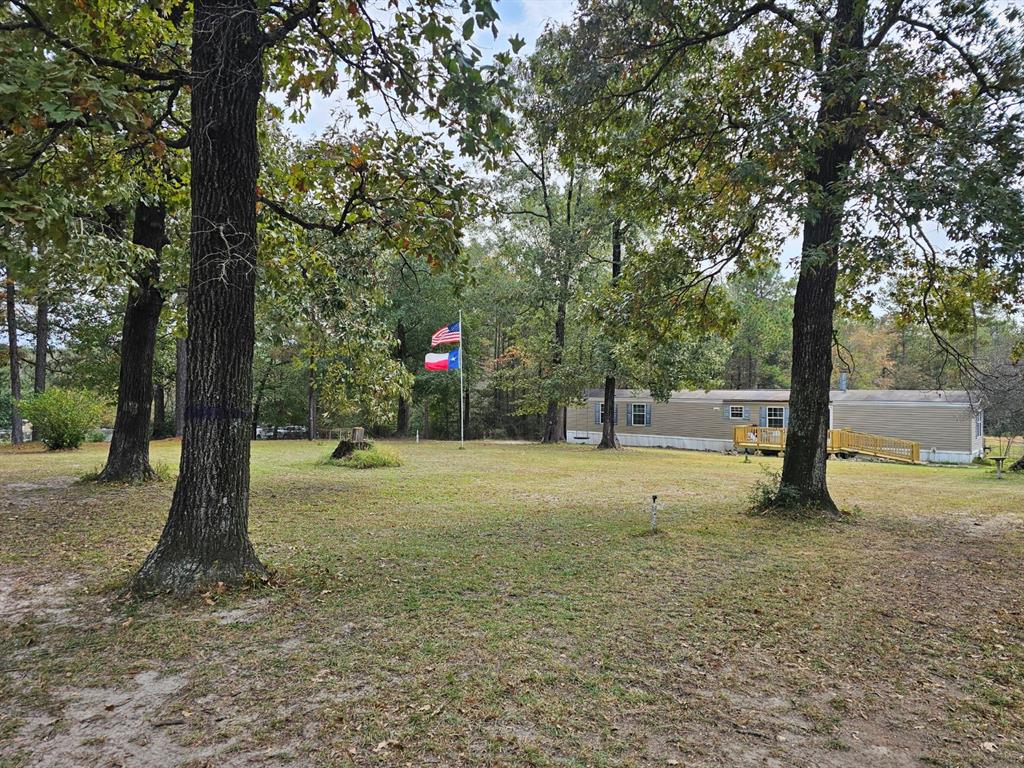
[500, 606]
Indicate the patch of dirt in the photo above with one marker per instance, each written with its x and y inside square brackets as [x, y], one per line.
[105, 726]
[24, 600]
[25, 494]
[146, 726]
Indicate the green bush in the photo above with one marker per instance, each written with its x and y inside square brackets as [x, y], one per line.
[370, 458]
[64, 417]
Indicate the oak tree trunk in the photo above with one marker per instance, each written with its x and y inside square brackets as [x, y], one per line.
[311, 401]
[159, 409]
[180, 375]
[803, 482]
[128, 458]
[554, 422]
[608, 438]
[206, 540]
[402, 420]
[42, 341]
[17, 436]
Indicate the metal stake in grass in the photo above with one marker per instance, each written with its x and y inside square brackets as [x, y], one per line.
[654, 513]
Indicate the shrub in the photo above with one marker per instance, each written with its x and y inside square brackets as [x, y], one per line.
[64, 417]
[370, 458]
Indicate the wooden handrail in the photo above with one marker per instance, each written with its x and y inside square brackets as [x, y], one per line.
[839, 441]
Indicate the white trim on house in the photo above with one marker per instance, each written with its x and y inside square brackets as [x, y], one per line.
[653, 441]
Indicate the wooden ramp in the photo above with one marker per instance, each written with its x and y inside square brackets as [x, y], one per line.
[840, 441]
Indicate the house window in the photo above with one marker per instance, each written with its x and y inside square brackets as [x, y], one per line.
[736, 411]
[776, 416]
[979, 424]
[639, 414]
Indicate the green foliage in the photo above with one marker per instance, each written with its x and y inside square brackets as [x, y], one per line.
[374, 457]
[761, 345]
[63, 416]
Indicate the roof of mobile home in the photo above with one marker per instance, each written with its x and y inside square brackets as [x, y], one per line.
[782, 395]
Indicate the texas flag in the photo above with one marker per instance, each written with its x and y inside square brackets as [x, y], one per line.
[442, 361]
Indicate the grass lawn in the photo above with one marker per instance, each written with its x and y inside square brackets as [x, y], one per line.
[504, 606]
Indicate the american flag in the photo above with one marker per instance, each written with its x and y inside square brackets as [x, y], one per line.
[450, 334]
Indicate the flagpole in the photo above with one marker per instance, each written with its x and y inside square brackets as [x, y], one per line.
[462, 396]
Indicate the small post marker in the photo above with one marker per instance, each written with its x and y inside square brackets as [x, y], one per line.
[654, 512]
[417, 435]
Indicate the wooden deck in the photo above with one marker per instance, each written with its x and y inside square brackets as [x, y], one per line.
[840, 441]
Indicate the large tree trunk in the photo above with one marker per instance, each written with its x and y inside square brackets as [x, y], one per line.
[554, 422]
[257, 403]
[42, 341]
[608, 438]
[17, 437]
[159, 408]
[206, 538]
[404, 414]
[128, 458]
[803, 481]
[180, 376]
[402, 421]
[311, 401]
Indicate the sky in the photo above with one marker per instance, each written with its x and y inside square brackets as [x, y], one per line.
[525, 18]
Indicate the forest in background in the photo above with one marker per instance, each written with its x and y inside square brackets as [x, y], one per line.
[507, 330]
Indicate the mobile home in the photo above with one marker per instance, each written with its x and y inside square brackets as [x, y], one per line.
[949, 425]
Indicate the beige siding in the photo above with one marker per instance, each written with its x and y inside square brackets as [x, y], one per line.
[944, 427]
[939, 426]
[683, 418]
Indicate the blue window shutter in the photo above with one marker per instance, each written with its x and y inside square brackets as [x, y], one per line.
[764, 416]
[615, 415]
[648, 408]
[746, 413]
[597, 413]
[785, 416]
[629, 415]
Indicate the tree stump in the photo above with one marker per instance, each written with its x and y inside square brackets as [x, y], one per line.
[355, 442]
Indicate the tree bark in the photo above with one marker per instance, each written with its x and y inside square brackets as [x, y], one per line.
[803, 481]
[206, 540]
[257, 402]
[1018, 465]
[17, 436]
[128, 458]
[402, 420]
[42, 341]
[159, 408]
[608, 438]
[311, 401]
[180, 375]
[554, 423]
